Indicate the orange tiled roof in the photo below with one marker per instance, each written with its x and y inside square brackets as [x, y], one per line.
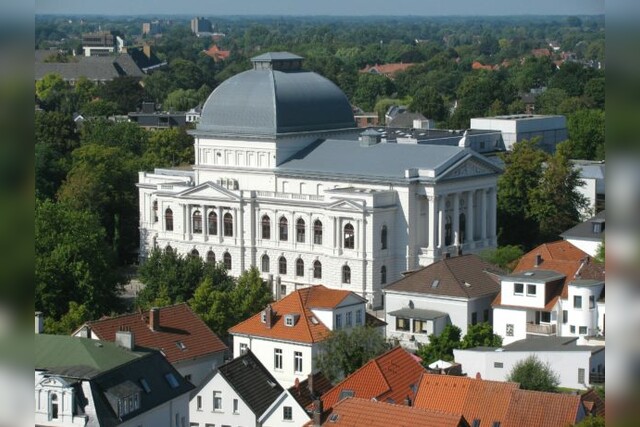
[365, 412]
[308, 329]
[479, 66]
[388, 377]
[387, 69]
[539, 53]
[177, 324]
[491, 401]
[216, 53]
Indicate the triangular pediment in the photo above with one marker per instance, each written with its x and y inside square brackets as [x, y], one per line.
[468, 167]
[53, 382]
[210, 191]
[347, 205]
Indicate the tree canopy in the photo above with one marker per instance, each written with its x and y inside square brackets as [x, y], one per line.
[440, 347]
[533, 374]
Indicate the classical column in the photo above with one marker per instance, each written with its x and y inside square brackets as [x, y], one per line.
[484, 215]
[432, 226]
[456, 219]
[441, 222]
[220, 230]
[470, 224]
[494, 213]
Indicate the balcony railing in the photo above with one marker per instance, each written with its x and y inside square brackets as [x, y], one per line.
[596, 378]
[533, 328]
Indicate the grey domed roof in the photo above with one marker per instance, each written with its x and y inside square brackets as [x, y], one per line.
[275, 97]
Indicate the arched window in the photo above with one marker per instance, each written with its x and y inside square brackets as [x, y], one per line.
[383, 237]
[317, 270]
[168, 219]
[300, 230]
[282, 265]
[283, 227]
[346, 274]
[211, 257]
[54, 406]
[349, 237]
[265, 263]
[194, 253]
[226, 258]
[197, 222]
[168, 249]
[213, 223]
[266, 227]
[463, 227]
[228, 225]
[299, 267]
[447, 231]
[383, 275]
[317, 232]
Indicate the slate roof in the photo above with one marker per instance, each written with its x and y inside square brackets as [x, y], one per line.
[382, 161]
[302, 394]
[308, 329]
[584, 230]
[100, 68]
[178, 323]
[113, 372]
[364, 412]
[252, 382]
[405, 120]
[267, 102]
[550, 343]
[452, 276]
[387, 378]
[496, 401]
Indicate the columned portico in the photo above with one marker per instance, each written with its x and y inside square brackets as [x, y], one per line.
[471, 219]
[456, 219]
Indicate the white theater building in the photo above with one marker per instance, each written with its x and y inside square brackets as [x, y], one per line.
[283, 180]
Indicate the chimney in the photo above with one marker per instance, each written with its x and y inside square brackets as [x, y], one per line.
[39, 322]
[268, 315]
[317, 412]
[310, 384]
[125, 339]
[407, 401]
[146, 49]
[154, 319]
[538, 260]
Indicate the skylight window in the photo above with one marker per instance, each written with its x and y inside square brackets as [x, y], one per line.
[145, 385]
[435, 284]
[345, 394]
[181, 345]
[333, 418]
[529, 273]
[171, 379]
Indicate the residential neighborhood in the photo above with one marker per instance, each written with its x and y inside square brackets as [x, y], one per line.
[319, 221]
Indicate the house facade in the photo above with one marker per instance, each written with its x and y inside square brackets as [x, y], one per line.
[588, 236]
[286, 335]
[457, 290]
[284, 181]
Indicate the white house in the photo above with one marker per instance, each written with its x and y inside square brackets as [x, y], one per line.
[592, 175]
[555, 290]
[243, 393]
[577, 366]
[588, 235]
[284, 181]
[82, 382]
[517, 127]
[184, 339]
[286, 335]
[457, 290]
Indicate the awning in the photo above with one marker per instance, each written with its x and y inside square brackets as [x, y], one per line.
[418, 313]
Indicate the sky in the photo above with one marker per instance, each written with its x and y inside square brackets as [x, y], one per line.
[211, 8]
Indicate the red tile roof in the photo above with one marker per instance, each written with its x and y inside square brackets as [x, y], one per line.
[491, 401]
[308, 329]
[216, 53]
[365, 412]
[177, 324]
[388, 377]
[387, 69]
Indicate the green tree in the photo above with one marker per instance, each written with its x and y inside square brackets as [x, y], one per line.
[181, 100]
[250, 294]
[503, 256]
[480, 335]
[50, 90]
[429, 103]
[185, 74]
[594, 91]
[550, 100]
[99, 108]
[214, 306]
[586, 130]
[73, 261]
[533, 374]
[600, 254]
[592, 421]
[56, 130]
[125, 91]
[441, 346]
[157, 86]
[370, 87]
[69, 322]
[342, 352]
[168, 147]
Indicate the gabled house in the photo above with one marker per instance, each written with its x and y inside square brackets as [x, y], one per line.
[556, 289]
[243, 392]
[498, 404]
[286, 335]
[216, 53]
[82, 382]
[588, 235]
[182, 337]
[387, 70]
[457, 290]
[353, 411]
[392, 377]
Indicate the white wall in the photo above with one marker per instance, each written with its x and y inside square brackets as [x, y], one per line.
[508, 296]
[585, 316]
[588, 246]
[274, 416]
[503, 317]
[244, 416]
[199, 368]
[564, 363]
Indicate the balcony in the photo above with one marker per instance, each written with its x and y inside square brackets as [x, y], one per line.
[538, 329]
[596, 378]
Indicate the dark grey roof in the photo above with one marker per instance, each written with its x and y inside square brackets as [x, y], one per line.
[251, 380]
[536, 275]
[418, 313]
[405, 120]
[551, 343]
[100, 68]
[587, 283]
[380, 161]
[584, 230]
[266, 102]
[275, 56]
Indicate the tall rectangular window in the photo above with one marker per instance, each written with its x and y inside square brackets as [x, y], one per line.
[359, 317]
[402, 324]
[287, 413]
[509, 331]
[297, 361]
[338, 321]
[565, 316]
[592, 301]
[199, 403]
[217, 401]
[420, 326]
[347, 318]
[581, 375]
[235, 406]
[243, 348]
[277, 358]
[577, 301]
[474, 318]
[485, 315]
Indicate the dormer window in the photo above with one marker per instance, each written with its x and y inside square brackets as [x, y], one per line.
[597, 226]
[518, 289]
[531, 290]
[263, 317]
[291, 319]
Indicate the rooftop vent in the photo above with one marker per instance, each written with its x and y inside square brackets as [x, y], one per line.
[369, 137]
[529, 273]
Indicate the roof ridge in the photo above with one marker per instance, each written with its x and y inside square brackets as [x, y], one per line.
[455, 276]
[384, 378]
[303, 310]
[142, 312]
